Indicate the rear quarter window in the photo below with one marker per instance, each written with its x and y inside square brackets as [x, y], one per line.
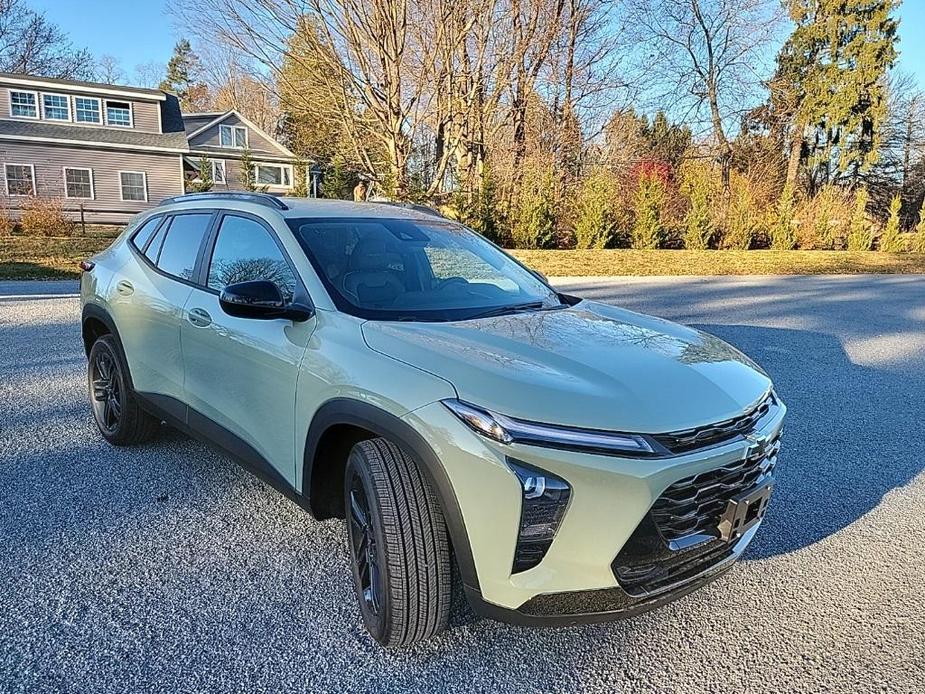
[141, 237]
[181, 244]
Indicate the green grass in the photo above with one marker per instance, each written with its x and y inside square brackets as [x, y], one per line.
[24, 257]
[589, 263]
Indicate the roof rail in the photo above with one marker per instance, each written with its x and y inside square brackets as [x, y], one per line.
[264, 199]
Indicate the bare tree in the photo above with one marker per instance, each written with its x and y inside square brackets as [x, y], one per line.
[149, 74]
[708, 58]
[109, 70]
[30, 44]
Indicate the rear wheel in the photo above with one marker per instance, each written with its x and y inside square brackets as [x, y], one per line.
[118, 416]
[398, 545]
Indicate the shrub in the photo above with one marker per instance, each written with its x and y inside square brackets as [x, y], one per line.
[698, 227]
[536, 221]
[6, 222]
[783, 237]
[744, 218]
[890, 240]
[44, 217]
[918, 241]
[824, 221]
[860, 235]
[647, 228]
[596, 211]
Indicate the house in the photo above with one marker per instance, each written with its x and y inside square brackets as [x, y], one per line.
[108, 152]
[222, 138]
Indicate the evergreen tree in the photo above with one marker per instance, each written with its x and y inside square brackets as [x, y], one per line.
[184, 77]
[339, 181]
[203, 181]
[647, 229]
[248, 173]
[918, 244]
[830, 83]
[596, 221]
[860, 237]
[890, 240]
[300, 184]
[536, 220]
[698, 222]
[783, 237]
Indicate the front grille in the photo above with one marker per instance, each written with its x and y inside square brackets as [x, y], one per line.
[701, 437]
[692, 507]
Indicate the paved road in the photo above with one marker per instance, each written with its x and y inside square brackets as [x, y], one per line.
[166, 568]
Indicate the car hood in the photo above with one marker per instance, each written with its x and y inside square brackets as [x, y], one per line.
[590, 365]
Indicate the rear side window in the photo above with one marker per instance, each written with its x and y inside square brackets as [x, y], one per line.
[154, 248]
[245, 251]
[181, 244]
[144, 234]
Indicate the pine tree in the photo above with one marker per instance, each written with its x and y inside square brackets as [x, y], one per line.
[536, 219]
[831, 82]
[783, 237]
[203, 181]
[647, 229]
[860, 237]
[918, 244]
[183, 77]
[248, 173]
[596, 221]
[891, 241]
[339, 181]
[698, 222]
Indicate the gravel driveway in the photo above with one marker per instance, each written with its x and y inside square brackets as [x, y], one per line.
[167, 568]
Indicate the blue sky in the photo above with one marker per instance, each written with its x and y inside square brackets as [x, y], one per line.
[142, 31]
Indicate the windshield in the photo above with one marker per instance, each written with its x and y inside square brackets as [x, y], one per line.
[409, 269]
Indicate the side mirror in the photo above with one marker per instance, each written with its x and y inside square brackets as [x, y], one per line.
[261, 299]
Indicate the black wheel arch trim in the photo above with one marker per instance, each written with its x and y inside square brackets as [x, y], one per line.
[376, 420]
[97, 312]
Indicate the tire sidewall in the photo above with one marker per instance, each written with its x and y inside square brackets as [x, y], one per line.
[106, 344]
[377, 625]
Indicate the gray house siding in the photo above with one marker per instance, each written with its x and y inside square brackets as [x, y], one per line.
[162, 173]
[146, 115]
[258, 143]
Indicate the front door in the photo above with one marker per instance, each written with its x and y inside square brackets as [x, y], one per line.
[241, 373]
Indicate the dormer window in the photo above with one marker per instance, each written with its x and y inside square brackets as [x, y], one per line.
[233, 136]
[119, 113]
[24, 104]
[56, 107]
[87, 110]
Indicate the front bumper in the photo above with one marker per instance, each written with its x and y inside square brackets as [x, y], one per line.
[609, 515]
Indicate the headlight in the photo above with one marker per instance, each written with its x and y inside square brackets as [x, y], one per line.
[509, 430]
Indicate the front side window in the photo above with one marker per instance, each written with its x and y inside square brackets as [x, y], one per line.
[274, 175]
[403, 269]
[78, 183]
[24, 105]
[87, 110]
[134, 185]
[119, 113]
[56, 107]
[218, 171]
[233, 136]
[245, 251]
[181, 244]
[20, 179]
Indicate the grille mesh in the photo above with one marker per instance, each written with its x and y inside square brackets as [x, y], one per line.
[693, 505]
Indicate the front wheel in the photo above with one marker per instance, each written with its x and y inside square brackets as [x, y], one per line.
[398, 545]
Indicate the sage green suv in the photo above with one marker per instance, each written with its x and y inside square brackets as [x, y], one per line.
[380, 363]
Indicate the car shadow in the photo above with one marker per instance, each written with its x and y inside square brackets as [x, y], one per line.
[850, 436]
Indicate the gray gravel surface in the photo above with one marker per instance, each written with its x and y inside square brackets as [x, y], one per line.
[166, 568]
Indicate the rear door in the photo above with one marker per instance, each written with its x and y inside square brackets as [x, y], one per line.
[241, 373]
[149, 296]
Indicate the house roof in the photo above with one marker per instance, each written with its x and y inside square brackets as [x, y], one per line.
[197, 123]
[172, 139]
[79, 85]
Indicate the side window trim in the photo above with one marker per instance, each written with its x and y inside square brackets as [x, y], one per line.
[300, 294]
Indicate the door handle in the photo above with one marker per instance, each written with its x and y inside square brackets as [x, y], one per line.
[124, 287]
[199, 317]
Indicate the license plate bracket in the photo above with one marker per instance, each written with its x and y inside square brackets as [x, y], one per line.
[744, 511]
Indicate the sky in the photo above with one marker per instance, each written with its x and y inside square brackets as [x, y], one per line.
[142, 32]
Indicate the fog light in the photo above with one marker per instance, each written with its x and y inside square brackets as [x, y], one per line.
[544, 500]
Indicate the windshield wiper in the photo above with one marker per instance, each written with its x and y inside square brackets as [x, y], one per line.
[513, 308]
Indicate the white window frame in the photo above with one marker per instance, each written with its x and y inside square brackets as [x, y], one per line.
[131, 113]
[99, 109]
[234, 139]
[216, 165]
[6, 180]
[144, 178]
[67, 101]
[268, 164]
[35, 95]
[65, 169]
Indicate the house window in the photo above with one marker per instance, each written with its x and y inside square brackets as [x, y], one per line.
[274, 175]
[24, 104]
[20, 179]
[232, 136]
[56, 107]
[119, 113]
[87, 109]
[218, 171]
[78, 183]
[134, 186]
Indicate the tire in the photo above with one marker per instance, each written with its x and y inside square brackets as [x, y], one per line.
[398, 545]
[115, 408]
